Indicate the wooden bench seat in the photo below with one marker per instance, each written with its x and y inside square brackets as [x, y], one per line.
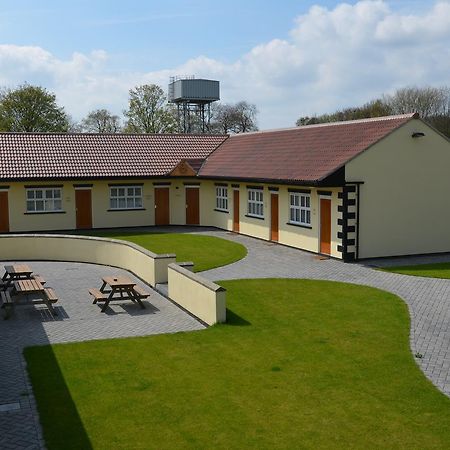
[5, 298]
[141, 292]
[5, 301]
[37, 277]
[50, 294]
[98, 295]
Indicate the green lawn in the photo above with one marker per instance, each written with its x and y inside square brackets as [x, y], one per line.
[301, 364]
[437, 270]
[206, 252]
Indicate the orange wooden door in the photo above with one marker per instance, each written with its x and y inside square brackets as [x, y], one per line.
[236, 211]
[4, 212]
[274, 217]
[325, 226]
[83, 205]
[192, 206]
[162, 207]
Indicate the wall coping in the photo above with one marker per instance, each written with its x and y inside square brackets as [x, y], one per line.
[197, 278]
[186, 263]
[92, 238]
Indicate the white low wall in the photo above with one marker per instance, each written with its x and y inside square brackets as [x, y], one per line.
[148, 266]
[201, 297]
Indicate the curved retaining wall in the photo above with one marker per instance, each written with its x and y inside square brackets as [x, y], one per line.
[148, 266]
[200, 297]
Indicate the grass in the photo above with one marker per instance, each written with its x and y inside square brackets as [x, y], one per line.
[206, 252]
[436, 270]
[301, 364]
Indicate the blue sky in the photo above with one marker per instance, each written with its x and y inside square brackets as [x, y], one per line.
[275, 54]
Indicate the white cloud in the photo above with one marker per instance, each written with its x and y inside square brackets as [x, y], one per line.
[333, 58]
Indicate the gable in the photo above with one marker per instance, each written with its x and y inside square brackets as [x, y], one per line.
[183, 169]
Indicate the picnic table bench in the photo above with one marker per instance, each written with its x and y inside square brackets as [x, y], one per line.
[18, 283]
[15, 272]
[118, 288]
[46, 296]
[6, 302]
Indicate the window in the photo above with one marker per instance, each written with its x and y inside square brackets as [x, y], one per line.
[44, 200]
[300, 209]
[125, 197]
[222, 198]
[255, 203]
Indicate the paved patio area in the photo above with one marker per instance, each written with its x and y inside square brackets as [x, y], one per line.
[78, 320]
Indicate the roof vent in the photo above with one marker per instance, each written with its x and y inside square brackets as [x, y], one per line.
[418, 134]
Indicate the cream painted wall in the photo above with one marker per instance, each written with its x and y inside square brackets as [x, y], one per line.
[405, 198]
[177, 202]
[146, 265]
[308, 239]
[102, 217]
[208, 215]
[294, 236]
[20, 221]
[203, 298]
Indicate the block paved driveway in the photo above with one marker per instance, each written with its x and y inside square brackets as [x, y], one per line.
[428, 299]
[78, 320]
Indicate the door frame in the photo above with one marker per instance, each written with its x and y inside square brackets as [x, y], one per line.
[238, 222]
[186, 187]
[275, 194]
[6, 190]
[82, 188]
[155, 187]
[324, 197]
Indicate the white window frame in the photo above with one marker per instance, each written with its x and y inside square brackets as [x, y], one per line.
[222, 198]
[121, 199]
[43, 200]
[255, 203]
[300, 209]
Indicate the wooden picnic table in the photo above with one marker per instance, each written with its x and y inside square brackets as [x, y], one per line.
[15, 272]
[28, 286]
[46, 296]
[118, 288]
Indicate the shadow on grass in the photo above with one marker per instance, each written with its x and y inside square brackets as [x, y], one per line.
[235, 320]
[61, 423]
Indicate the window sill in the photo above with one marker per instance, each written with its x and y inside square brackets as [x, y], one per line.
[255, 217]
[31, 213]
[222, 210]
[309, 227]
[125, 209]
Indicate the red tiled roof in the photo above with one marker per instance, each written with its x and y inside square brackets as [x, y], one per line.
[58, 156]
[308, 153]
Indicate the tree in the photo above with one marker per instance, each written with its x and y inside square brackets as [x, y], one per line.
[427, 101]
[101, 121]
[148, 111]
[223, 118]
[245, 116]
[432, 104]
[234, 118]
[31, 109]
[374, 108]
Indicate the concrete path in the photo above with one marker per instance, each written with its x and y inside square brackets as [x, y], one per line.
[78, 320]
[428, 299]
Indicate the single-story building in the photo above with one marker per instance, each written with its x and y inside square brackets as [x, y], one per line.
[358, 189]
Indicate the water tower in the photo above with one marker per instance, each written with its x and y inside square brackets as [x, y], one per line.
[193, 97]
